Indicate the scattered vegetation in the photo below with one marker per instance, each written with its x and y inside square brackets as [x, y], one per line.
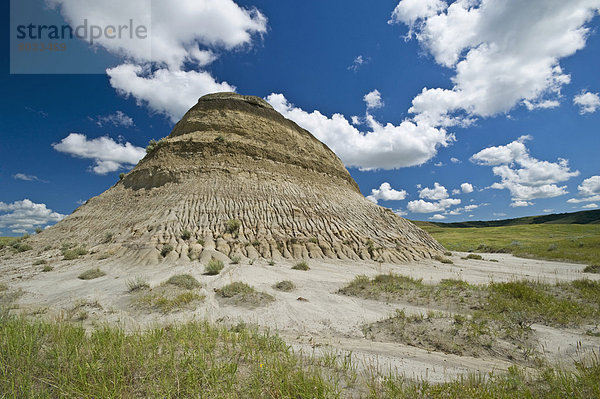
[137, 284]
[108, 238]
[232, 226]
[214, 267]
[70, 253]
[38, 230]
[568, 242]
[154, 145]
[473, 256]
[271, 262]
[19, 246]
[39, 262]
[47, 268]
[592, 269]
[235, 259]
[220, 139]
[166, 249]
[168, 303]
[242, 294]
[186, 235]
[285, 286]
[443, 259]
[91, 274]
[121, 176]
[185, 281]
[301, 266]
[7, 241]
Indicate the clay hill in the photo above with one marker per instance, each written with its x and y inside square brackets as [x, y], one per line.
[235, 177]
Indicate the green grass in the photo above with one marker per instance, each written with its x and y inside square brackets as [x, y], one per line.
[285, 286]
[166, 249]
[519, 302]
[568, 242]
[91, 274]
[165, 303]
[47, 268]
[214, 267]
[592, 269]
[241, 294]
[47, 360]
[70, 253]
[301, 266]
[7, 241]
[184, 281]
[137, 284]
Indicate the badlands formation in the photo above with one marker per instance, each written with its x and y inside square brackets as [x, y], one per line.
[236, 178]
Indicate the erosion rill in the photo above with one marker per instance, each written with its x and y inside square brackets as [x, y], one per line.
[234, 158]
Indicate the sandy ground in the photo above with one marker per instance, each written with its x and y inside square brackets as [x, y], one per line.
[326, 322]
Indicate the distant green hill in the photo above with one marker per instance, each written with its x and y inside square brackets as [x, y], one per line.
[583, 217]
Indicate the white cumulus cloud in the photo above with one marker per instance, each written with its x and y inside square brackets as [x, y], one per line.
[587, 102]
[525, 177]
[590, 206]
[503, 53]
[373, 99]
[381, 147]
[385, 192]
[466, 188]
[438, 216]
[438, 192]
[589, 190]
[25, 215]
[108, 155]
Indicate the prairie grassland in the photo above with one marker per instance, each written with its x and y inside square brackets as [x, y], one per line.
[567, 242]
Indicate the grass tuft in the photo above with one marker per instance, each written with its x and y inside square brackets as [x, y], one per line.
[285, 286]
[214, 267]
[137, 284]
[91, 274]
[166, 249]
[184, 281]
[301, 266]
[242, 294]
[592, 269]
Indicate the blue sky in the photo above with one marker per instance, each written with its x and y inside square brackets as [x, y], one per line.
[449, 110]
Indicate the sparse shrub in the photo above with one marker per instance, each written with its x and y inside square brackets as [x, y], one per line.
[443, 260]
[235, 259]
[20, 247]
[233, 226]
[214, 267]
[473, 256]
[80, 251]
[592, 269]
[313, 240]
[186, 235]
[108, 238]
[70, 255]
[185, 281]
[251, 261]
[285, 286]
[166, 249]
[220, 139]
[301, 266]
[167, 304]
[121, 176]
[255, 243]
[137, 284]
[271, 262]
[154, 145]
[200, 241]
[91, 274]
[39, 262]
[239, 293]
[47, 268]
[447, 253]
[38, 230]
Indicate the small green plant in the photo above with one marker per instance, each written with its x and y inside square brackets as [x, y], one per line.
[220, 139]
[285, 286]
[39, 262]
[121, 176]
[185, 281]
[301, 266]
[47, 268]
[592, 269]
[214, 267]
[251, 261]
[154, 145]
[313, 240]
[108, 238]
[447, 253]
[200, 241]
[20, 247]
[271, 262]
[91, 274]
[443, 260]
[38, 230]
[166, 304]
[233, 226]
[473, 256]
[255, 243]
[239, 293]
[166, 249]
[186, 235]
[137, 284]
[235, 259]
